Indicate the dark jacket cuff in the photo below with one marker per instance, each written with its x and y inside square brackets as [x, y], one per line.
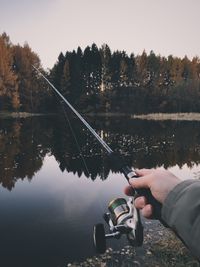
[170, 202]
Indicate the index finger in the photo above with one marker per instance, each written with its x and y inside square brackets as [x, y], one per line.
[143, 172]
[129, 191]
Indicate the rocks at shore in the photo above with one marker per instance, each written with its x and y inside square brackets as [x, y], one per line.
[110, 258]
[161, 248]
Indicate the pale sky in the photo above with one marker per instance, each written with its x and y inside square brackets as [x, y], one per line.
[51, 26]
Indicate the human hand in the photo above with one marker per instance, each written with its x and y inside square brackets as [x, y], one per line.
[159, 181]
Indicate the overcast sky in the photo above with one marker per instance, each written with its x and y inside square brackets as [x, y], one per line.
[51, 26]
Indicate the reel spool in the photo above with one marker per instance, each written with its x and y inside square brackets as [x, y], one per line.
[118, 207]
[123, 218]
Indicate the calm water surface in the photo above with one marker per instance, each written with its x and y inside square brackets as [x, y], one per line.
[50, 197]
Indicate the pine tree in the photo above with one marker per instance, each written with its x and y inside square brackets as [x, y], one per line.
[105, 54]
[65, 82]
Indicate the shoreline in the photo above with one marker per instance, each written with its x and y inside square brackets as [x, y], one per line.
[187, 116]
[168, 116]
[163, 249]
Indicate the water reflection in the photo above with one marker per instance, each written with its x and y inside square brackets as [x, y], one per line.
[24, 144]
[22, 149]
[49, 221]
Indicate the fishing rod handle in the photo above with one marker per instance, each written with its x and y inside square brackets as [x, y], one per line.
[146, 192]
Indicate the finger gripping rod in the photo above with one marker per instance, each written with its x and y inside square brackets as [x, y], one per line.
[129, 173]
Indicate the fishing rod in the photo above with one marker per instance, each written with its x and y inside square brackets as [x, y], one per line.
[116, 159]
[115, 225]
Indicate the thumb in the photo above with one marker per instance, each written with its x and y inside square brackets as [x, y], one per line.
[140, 182]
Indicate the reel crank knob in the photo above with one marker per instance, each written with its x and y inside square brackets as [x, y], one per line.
[99, 238]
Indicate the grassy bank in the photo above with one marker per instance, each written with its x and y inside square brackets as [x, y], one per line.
[7, 115]
[169, 116]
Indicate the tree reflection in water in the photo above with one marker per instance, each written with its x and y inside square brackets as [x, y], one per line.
[25, 142]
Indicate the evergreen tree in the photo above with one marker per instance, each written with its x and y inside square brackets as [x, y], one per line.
[105, 54]
[123, 70]
[65, 82]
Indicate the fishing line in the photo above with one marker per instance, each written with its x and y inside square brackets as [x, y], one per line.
[31, 99]
[101, 207]
[75, 139]
[66, 116]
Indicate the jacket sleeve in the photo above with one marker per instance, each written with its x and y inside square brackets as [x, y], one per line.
[181, 211]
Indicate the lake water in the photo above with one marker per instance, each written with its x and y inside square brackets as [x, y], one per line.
[50, 197]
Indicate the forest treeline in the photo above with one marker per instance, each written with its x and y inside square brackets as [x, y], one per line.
[99, 80]
[19, 89]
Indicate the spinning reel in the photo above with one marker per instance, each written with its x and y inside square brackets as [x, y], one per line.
[123, 218]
